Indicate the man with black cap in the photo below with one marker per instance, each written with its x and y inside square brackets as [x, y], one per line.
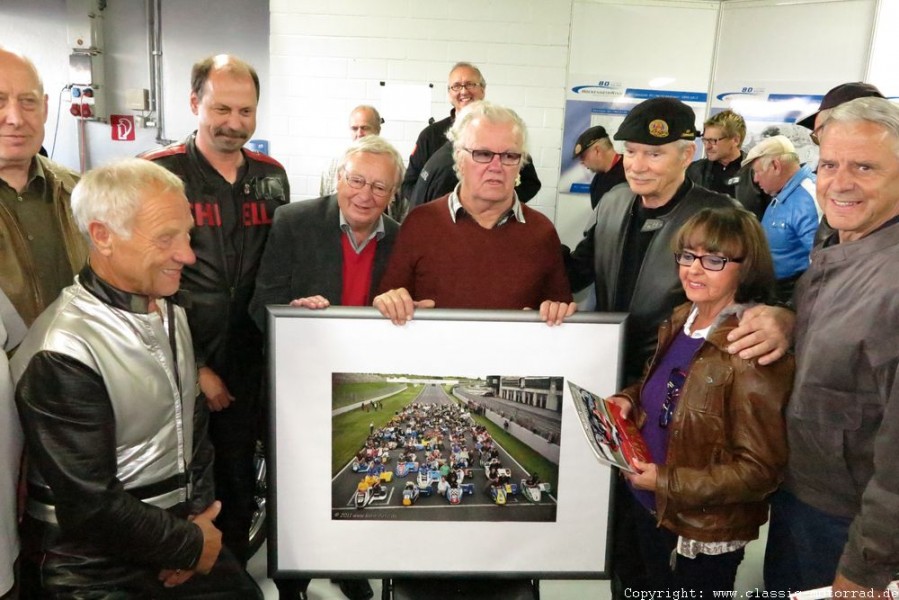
[626, 254]
[836, 96]
[839, 95]
[595, 151]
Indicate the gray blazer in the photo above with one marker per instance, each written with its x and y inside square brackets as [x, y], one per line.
[303, 256]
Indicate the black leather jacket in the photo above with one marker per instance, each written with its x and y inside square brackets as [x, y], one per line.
[119, 455]
[217, 289]
[599, 259]
[743, 188]
[429, 141]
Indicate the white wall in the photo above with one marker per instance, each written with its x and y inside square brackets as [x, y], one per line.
[322, 59]
[327, 58]
[192, 29]
[624, 42]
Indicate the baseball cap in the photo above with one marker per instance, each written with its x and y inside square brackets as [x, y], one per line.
[658, 121]
[839, 95]
[776, 145]
[586, 139]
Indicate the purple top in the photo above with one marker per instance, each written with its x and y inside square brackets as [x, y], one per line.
[658, 399]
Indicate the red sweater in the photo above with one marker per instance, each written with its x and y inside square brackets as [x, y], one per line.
[462, 265]
[357, 272]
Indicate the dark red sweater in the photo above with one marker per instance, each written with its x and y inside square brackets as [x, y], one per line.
[462, 265]
[357, 270]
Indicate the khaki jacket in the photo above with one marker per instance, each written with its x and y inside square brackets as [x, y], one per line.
[17, 273]
[727, 443]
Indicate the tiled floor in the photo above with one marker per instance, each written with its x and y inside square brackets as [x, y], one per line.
[749, 577]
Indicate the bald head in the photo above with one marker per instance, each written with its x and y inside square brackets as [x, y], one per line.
[364, 120]
[23, 112]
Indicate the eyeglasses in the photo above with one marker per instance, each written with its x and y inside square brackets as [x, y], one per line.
[467, 86]
[509, 159]
[675, 384]
[712, 141]
[378, 189]
[709, 262]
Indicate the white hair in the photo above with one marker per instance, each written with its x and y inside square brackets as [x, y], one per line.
[112, 194]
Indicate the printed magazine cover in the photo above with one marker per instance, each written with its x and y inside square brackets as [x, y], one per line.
[615, 441]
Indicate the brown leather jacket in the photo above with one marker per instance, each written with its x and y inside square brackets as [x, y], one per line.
[727, 443]
[17, 273]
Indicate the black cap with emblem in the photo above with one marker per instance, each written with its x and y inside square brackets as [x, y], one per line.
[588, 138]
[658, 121]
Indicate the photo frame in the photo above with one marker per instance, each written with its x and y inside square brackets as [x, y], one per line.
[451, 380]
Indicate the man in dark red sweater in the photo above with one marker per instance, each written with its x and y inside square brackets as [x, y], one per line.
[479, 247]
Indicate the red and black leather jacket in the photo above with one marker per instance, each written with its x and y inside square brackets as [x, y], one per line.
[232, 223]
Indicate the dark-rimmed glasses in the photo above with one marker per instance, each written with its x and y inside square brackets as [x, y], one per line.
[467, 86]
[378, 189]
[675, 384]
[510, 159]
[711, 140]
[709, 262]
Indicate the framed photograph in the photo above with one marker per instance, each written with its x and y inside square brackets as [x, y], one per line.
[448, 446]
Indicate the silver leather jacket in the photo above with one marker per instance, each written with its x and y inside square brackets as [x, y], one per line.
[118, 453]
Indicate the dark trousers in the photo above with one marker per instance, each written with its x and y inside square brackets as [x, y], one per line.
[227, 581]
[804, 545]
[667, 570]
[467, 588]
[233, 432]
[290, 589]
[628, 569]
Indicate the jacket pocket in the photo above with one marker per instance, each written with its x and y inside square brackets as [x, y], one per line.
[713, 380]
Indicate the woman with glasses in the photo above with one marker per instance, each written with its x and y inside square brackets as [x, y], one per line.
[712, 421]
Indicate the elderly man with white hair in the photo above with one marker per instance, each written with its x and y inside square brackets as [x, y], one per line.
[835, 519]
[120, 468]
[479, 247]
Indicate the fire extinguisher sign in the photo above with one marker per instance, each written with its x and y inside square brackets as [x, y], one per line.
[122, 128]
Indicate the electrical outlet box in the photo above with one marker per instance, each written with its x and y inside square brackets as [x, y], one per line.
[87, 92]
[137, 99]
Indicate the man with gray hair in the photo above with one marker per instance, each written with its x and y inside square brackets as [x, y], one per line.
[333, 250]
[120, 467]
[627, 255]
[791, 218]
[479, 247]
[835, 519]
[465, 85]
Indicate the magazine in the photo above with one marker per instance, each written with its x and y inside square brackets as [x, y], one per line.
[615, 441]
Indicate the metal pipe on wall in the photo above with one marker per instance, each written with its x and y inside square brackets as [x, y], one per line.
[154, 43]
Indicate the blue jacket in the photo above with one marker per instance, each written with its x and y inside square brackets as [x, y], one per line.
[790, 222]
